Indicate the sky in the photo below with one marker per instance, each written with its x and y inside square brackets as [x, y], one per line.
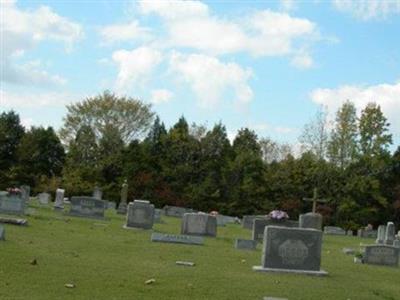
[266, 65]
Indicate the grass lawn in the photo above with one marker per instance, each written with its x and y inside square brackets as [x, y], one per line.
[105, 261]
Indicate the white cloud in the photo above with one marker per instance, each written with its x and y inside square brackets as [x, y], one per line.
[124, 32]
[288, 5]
[211, 79]
[160, 96]
[386, 95]
[368, 9]
[135, 66]
[18, 100]
[302, 61]
[21, 31]
[264, 33]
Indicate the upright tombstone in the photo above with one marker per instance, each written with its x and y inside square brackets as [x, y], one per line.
[247, 221]
[25, 192]
[334, 230]
[122, 207]
[88, 207]
[157, 215]
[176, 211]
[140, 215]
[313, 219]
[390, 234]
[97, 193]
[44, 198]
[381, 234]
[2, 233]
[291, 250]
[59, 202]
[12, 204]
[199, 224]
[260, 224]
[381, 255]
[111, 205]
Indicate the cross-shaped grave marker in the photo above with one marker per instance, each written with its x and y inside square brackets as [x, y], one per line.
[314, 200]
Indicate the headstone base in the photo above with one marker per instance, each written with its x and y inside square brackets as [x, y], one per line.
[301, 272]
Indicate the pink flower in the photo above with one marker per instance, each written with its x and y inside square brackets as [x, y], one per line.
[278, 215]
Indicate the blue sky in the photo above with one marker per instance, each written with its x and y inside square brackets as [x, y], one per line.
[267, 65]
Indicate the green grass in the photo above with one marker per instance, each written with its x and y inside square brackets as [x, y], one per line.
[105, 261]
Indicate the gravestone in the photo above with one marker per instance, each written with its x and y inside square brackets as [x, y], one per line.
[396, 243]
[88, 207]
[260, 224]
[111, 205]
[247, 221]
[176, 211]
[367, 233]
[44, 198]
[291, 250]
[390, 234]
[11, 204]
[381, 234]
[2, 233]
[177, 239]
[245, 244]
[122, 207]
[157, 215]
[199, 224]
[381, 255]
[97, 193]
[25, 192]
[140, 215]
[334, 230]
[311, 220]
[59, 202]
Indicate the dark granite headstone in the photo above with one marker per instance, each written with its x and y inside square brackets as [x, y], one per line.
[247, 221]
[177, 239]
[140, 215]
[260, 224]
[291, 250]
[311, 220]
[199, 224]
[12, 204]
[89, 207]
[245, 244]
[381, 255]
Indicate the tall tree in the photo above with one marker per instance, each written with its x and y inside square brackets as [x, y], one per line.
[342, 147]
[314, 137]
[274, 151]
[374, 137]
[11, 133]
[131, 118]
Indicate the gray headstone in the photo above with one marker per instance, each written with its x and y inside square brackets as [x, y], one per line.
[245, 244]
[11, 204]
[381, 234]
[291, 250]
[157, 215]
[2, 233]
[44, 198]
[123, 204]
[367, 233]
[89, 207]
[97, 193]
[199, 224]
[177, 239]
[221, 221]
[381, 255]
[390, 234]
[396, 243]
[59, 201]
[25, 192]
[260, 224]
[176, 211]
[140, 215]
[111, 205]
[311, 220]
[333, 230]
[247, 221]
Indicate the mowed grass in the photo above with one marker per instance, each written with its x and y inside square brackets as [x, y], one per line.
[105, 261]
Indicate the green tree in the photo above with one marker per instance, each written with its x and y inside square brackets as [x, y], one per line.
[129, 117]
[374, 137]
[40, 152]
[342, 147]
[11, 133]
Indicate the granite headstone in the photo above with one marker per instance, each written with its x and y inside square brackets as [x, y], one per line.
[89, 207]
[140, 215]
[12, 204]
[199, 224]
[177, 239]
[334, 230]
[260, 224]
[381, 255]
[245, 244]
[44, 198]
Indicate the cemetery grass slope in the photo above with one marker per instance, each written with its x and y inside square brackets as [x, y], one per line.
[104, 261]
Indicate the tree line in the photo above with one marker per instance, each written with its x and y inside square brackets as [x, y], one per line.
[106, 139]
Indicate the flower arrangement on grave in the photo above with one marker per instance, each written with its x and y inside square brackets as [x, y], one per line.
[213, 213]
[278, 215]
[14, 191]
